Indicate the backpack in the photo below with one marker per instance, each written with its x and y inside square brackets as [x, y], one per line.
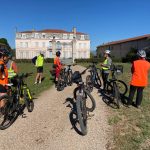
[34, 60]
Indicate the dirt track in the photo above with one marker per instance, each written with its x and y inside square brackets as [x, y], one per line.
[48, 127]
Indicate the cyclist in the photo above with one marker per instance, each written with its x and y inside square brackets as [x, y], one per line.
[4, 56]
[58, 66]
[39, 65]
[106, 67]
[12, 67]
[139, 79]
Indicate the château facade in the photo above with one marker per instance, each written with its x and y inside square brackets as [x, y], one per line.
[70, 44]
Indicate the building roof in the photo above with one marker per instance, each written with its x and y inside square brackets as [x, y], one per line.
[50, 31]
[126, 40]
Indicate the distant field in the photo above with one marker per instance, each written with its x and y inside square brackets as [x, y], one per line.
[131, 126]
[29, 67]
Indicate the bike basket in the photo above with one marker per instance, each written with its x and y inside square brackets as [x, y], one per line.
[76, 77]
[119, 69]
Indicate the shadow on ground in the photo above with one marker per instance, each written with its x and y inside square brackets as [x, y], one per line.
[108, 99]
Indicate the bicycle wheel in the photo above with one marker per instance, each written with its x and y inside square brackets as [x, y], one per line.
[116, 95]
[89, 83]
[90, 102]
[82, 113]
[98, 81]
[122, 87]
[8, 114]
[28, 100]
[60, 84]
[69, 78]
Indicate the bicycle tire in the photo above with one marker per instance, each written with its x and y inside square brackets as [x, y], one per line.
[89, 83]
[98, 81]
[28, 100]
[8, 114]
[69, 78]
[122, 87]
[60, 84]
[82, 114]
[116, 95]
[86, 94]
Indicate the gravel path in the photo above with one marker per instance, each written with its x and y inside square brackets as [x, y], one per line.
[48, 127]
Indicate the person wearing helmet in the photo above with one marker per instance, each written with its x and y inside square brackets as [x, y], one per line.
[39, 64]
[106, 67]
[139, 78]
[58, 65]
[4, 56]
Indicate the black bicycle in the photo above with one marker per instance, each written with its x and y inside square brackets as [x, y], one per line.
[84, 100]
[93, 80]
[114, 87]
[65, 78]
[18, 97]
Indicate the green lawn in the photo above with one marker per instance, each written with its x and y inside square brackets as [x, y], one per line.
[131, 126]
[36, 89]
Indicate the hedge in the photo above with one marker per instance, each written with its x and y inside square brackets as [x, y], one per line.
[90, 60]
[47, 60]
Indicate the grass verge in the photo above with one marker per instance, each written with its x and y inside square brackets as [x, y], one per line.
[47, 78]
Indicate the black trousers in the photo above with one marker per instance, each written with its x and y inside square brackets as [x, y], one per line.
[105, 78]
[139, 95]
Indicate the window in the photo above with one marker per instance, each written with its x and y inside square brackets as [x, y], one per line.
[58, 45]
[36, 44]
[26, 44]
[80, 45]
[18, 35]
[71, 36]
[84, 54]
[82, 37]
[36, 35]
[21, 54]
[27, 54]
[43, 35]
[21, 44]
[23, 36]
[64, 36]
[43, 44]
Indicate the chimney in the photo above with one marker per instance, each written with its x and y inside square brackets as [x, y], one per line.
[74, 30]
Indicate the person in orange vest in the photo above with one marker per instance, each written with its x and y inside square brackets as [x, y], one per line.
[4, 56]
[139, 79]
[58, 66]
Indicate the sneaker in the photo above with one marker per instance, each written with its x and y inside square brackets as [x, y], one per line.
[35, 83]
[39, 81]
[138, 107]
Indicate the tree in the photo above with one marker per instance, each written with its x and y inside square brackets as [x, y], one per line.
[4, 41]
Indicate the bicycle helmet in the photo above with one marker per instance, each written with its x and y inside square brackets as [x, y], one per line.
[141, 53]
[58, 53]
[107, 51]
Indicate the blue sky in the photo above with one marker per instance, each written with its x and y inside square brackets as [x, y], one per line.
[103, 20]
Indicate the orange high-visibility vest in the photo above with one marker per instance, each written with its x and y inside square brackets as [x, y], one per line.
[4, 76]
[140, 70]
